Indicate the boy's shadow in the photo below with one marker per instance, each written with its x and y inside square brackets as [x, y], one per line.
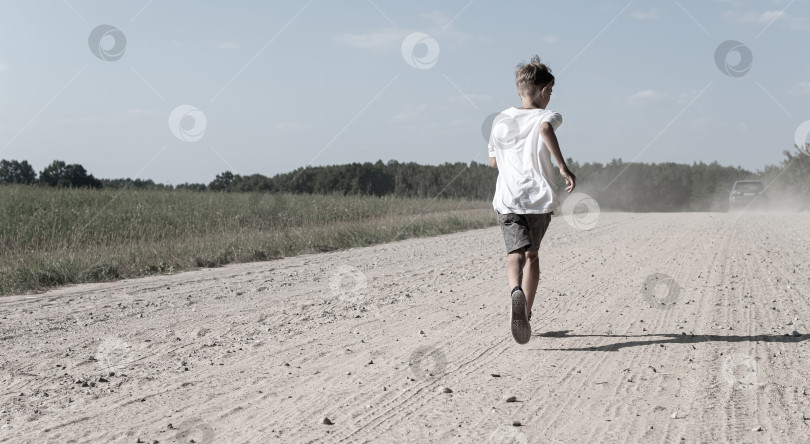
[665, 338]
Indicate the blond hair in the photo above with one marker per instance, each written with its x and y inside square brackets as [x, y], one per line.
[530, 76]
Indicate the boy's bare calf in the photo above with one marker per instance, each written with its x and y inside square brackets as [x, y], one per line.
[523, 269]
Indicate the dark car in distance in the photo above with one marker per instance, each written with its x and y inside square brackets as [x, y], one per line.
[748, 194]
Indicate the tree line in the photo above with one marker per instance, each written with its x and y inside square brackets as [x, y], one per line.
[616, 185]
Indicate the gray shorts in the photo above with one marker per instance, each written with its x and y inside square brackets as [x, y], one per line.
[523, 230]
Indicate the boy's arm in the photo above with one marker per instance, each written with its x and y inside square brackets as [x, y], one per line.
[493, 162]
[550, 139]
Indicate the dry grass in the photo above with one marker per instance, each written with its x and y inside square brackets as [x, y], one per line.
[51, 237]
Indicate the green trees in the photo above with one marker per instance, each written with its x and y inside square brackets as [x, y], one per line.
[59, 174]
[12, 171]
[789, 182]
[457, 180]
[657, 187]
[616, 185]
[221, 182]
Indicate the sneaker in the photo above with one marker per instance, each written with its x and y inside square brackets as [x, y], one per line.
[521, 330]
[530, 317]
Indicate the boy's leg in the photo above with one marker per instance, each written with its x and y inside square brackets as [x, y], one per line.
[518, 318]
[531, 278]
[538, 225]
[516, 235]
[515, 262]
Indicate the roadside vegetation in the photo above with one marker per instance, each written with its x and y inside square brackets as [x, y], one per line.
[51, 236]
[64, 226]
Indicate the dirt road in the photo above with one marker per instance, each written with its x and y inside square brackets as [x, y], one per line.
[263, 352]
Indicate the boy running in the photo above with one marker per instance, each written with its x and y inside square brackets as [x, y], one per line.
[520, 147]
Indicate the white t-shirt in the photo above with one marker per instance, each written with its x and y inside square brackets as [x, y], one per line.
[525, 173]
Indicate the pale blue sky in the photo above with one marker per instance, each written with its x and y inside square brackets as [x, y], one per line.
[286, 84]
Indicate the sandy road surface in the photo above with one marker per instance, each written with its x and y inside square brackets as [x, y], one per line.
[262, 352]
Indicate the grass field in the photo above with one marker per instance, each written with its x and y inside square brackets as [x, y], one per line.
[51, 237]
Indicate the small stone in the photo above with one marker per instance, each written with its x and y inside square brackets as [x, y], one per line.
[370, 362]
[516, 423]
[326, 421]
[495, 375]
[510, 399]
[756, 429]
[103, 379]
[674, 415]
[796, 333]
[421, 332]
[445, 390]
